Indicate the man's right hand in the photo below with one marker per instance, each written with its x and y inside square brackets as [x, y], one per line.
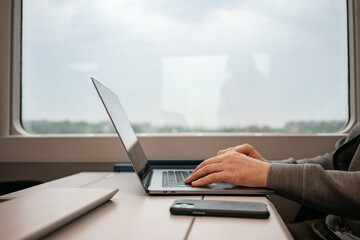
[231, 167]
[245, 149]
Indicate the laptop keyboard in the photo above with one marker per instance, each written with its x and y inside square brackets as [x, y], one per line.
[175, 178]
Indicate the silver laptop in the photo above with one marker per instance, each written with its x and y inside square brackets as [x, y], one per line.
[159, 181]
[37, 214]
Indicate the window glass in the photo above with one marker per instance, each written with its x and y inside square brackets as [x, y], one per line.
[186, 66]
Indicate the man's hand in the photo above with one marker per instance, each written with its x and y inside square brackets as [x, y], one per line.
[246, 149]
[231, 167]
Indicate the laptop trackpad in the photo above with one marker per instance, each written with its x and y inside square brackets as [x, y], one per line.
[219, 186]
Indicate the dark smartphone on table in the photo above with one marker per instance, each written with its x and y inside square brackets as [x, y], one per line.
[219, 208]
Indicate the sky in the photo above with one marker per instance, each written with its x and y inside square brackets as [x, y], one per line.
[205, 63]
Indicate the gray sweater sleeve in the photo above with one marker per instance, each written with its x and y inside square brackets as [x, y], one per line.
[325, 161]
[313, 182]
[331, 191]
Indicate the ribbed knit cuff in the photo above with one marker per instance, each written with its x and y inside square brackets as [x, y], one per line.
[286, 179]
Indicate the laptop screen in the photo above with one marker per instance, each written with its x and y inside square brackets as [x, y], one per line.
[123, 128]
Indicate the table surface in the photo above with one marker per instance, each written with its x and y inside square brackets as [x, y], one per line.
[131, 214]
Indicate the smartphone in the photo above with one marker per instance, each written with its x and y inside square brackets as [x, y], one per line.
[219, 208]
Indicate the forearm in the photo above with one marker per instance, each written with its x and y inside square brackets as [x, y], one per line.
[325, 161]
[311, 185]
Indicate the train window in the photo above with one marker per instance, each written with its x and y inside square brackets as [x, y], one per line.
[186, 66]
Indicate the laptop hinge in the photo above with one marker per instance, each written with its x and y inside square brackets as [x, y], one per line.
[147, 178]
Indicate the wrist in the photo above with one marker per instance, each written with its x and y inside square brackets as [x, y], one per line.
[265, 174]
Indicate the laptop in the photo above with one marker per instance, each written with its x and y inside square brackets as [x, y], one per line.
[159, 181]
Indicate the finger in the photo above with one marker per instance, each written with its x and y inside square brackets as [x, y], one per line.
[212, 160]
[208, 179]
[206, 170]
[224, 150]
[244, 149]
[249, 150]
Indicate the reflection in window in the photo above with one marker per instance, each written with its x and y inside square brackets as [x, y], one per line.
[193, 66]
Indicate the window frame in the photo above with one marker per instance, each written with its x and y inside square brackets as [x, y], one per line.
[16, 145]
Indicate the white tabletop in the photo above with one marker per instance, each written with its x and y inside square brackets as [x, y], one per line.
[240, 228]
[131, 214]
